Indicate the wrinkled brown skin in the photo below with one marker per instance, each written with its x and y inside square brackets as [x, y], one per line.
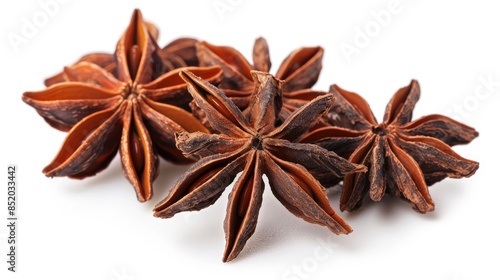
[299, 71]
[253, 144]
[178, 53]
[128, 111]
[403, 157]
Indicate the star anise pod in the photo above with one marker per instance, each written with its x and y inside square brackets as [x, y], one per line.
[403, 157]
[130, 112]
[178, 53]
[251, 142]
[299, 71]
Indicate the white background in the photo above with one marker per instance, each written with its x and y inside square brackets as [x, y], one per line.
[95, 228]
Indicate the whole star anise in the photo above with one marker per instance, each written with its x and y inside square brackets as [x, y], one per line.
[299, 71]
[403, 157]
[253, 143]
[130, 112]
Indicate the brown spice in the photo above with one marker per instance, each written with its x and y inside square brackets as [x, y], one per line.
[299, 71]
[128, 111]
[178, 53]
[403, 157]
[251, 142]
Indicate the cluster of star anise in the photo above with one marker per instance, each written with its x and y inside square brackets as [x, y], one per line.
[196, 102]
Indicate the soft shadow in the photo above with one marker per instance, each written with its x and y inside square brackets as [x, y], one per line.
[168, 175]
[106, 178]
[278, 228]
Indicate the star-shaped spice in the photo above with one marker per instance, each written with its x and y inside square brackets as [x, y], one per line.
[253, 143]
[130, 112]
[403, 157]
[299, 71]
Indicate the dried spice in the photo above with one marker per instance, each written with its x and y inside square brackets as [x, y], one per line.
[403, 157]
[251, 142]
[299, 71]
[149, 102]
[129, 112]
[178, 53]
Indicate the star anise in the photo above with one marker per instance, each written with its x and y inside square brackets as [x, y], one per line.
[403, 157]
[251, 142]
[178, 53]
[299, 71]
[130, 112]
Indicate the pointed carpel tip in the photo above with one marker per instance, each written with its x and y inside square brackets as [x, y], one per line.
[263, 77]
[348, 229]
[187, 76]
[414, 84]
[343, 207]
[25, 97]
[156, 209]
[318, 51]
[260, 41]
[336, 89]
[163, 211]
[158, 212]
[143, 198]
[473, 170]
[228, 256]
[342, 226]
[48, 171]
[429, 207]
[136, 13]
[328, 100]
[229, 252]
[67, 68]
[136, 20]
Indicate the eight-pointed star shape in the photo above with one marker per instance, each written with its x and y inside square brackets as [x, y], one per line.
[251, 142]
[403, 157]
[129, 112]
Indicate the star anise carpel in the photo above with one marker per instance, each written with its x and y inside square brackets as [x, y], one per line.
[128, 110]
[299, 71]
[179, 53]
[403, 157]
[255, 143]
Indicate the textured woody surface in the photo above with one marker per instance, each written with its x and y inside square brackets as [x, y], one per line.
[299, 71]
[253, 144]
[128, 111]
[178, 53]
[403, 157]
